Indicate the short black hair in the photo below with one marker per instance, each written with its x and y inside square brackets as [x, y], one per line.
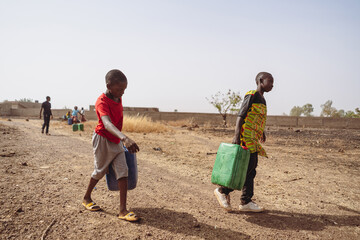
[115, 76]
[47, 97]
[262, 75]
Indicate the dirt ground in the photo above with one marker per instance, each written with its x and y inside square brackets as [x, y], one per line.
[309, 186]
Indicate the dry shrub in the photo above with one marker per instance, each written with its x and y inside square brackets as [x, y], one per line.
[182, 122]
[90, 125]
[208, 125]
[138, 124]
[143, 124]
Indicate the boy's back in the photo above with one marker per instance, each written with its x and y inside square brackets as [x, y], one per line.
[253, 111]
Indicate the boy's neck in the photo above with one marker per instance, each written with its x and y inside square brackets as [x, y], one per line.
[109, 95]
[260, 90]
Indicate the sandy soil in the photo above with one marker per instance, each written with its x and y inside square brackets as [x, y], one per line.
[309, 186]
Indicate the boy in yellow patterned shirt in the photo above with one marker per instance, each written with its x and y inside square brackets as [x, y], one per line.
[249, 131]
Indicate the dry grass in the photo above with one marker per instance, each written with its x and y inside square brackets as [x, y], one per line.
[182, 122]
[143, 124]
[138, 124]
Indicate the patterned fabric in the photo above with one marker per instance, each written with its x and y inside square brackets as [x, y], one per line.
[253, 127]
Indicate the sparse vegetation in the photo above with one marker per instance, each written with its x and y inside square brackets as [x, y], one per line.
[24, 100]
[305, 110]
[226, 102]
[329, 111]
[182, 122]
[138, 124]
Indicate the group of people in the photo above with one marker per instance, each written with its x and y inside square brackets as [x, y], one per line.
[74, 115]
[45, 110]
[109, 142]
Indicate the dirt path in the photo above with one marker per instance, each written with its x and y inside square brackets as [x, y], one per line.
[310, 192]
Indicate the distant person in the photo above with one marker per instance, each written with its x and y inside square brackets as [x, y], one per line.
[74, 114]
[46, 106]
[249, 131]
[68, 115]
[108, 141]
[82, 113]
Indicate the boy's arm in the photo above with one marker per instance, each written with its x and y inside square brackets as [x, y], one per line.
[263, 139]
[239, 123]
[41, 111]
[129, 144]
[245, 106]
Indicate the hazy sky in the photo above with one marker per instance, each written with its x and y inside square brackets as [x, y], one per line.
[176, 53]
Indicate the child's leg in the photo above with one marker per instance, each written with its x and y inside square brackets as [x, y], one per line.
[248, 189]
[92, 184]
[122, 182]
[223, 197]
[121, 171]
[225, 190]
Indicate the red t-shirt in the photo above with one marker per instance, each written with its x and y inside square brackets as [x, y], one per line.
[105, 106]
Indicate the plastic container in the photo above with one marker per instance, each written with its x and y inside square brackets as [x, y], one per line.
[81, 127]
[131, 162]
[70, 121]
[75, 127]
[230, 166]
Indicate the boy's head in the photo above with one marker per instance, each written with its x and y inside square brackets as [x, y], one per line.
[48, 98]
[264, 81]
[116, 82]
[75, 107]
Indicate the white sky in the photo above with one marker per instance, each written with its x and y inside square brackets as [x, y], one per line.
[177, 53]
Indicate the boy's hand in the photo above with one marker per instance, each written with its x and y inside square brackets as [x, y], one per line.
[236, 140]
[131, 145]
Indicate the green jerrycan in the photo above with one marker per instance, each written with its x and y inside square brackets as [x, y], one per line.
[230, 166]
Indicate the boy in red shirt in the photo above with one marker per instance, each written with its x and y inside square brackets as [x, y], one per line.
[108, 141]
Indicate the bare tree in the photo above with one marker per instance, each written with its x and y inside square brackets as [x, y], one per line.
[225, 102]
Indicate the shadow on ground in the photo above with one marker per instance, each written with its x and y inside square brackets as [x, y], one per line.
[184, 223]
[297, 221]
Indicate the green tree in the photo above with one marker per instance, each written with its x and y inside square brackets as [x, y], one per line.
[350, 114]
[357, 111]
[296, 111]
[327, 109]
[307, 109]
[339, 113]
[225, 102]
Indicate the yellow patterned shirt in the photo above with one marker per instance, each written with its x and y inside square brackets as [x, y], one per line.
[253, 111]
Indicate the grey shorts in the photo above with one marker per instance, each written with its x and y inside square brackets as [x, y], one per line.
[106, 153]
